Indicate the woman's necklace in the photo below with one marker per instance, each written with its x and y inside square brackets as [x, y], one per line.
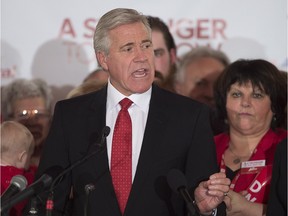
[238, 158]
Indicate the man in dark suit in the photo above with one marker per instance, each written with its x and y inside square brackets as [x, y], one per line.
[168, 132]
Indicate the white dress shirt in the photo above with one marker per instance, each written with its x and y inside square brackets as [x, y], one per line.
[138, 112]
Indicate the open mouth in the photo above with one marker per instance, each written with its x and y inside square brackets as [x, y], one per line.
[140, 73]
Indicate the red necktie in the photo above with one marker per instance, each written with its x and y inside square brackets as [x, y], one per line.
[121, 158]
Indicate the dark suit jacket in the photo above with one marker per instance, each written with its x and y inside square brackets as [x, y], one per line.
[177, 135]
[277, 203]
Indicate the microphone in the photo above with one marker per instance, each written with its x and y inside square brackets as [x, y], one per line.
[88, 188]
[17, 184]
[50, 203]
[37, 187]
[105, 133]
[83, 186]
[178, 184]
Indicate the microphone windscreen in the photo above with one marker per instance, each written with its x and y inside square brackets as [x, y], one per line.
[20, 181]
[176, 180]
[106, 131]
[82, 181]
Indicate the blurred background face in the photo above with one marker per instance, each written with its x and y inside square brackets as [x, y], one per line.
[130, 61]
[248, 110]
[200, 76]
[32, 113]
[163, 57]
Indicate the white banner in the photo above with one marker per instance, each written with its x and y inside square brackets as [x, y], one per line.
[53, 39]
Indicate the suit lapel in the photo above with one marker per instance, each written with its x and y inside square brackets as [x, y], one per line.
[99, 164]
[151, 145]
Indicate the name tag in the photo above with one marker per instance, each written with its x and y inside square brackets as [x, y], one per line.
[255, 163]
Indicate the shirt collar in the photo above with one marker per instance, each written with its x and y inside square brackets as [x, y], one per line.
[114, 97]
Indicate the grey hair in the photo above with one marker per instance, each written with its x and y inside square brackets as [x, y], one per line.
[196, 53]
[111, 20]
[22, 89]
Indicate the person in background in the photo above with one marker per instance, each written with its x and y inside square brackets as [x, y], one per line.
[165, 52]
[29, 103]
[17, 146]
[87, 87]
[158, 78]
[98, 74]
[197, 72]
[174, 138]
[277, 203]
[251, 98]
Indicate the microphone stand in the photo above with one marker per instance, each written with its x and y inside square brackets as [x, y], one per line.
[50, 202]
[33, 207]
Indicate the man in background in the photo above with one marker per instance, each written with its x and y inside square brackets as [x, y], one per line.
[164, 51]
[197, 72]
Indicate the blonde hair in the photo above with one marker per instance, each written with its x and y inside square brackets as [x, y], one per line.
[86, 87]
[15, 138]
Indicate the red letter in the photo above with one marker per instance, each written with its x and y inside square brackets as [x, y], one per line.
[67, 29]
[201, 29]
[70, 49]
[90, 24]
[218, 27]
[189, 30]
[82, 56]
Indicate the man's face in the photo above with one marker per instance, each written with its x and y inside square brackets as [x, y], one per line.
[130, 61]
[164, 58]
[200, 76]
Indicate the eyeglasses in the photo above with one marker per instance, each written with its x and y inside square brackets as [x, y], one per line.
[35, 113]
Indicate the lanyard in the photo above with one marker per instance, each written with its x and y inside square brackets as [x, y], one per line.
[223, 169]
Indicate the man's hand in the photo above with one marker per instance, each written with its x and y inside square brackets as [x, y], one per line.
[209, 194]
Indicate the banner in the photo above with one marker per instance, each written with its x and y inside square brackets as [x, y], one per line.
[53, 39]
